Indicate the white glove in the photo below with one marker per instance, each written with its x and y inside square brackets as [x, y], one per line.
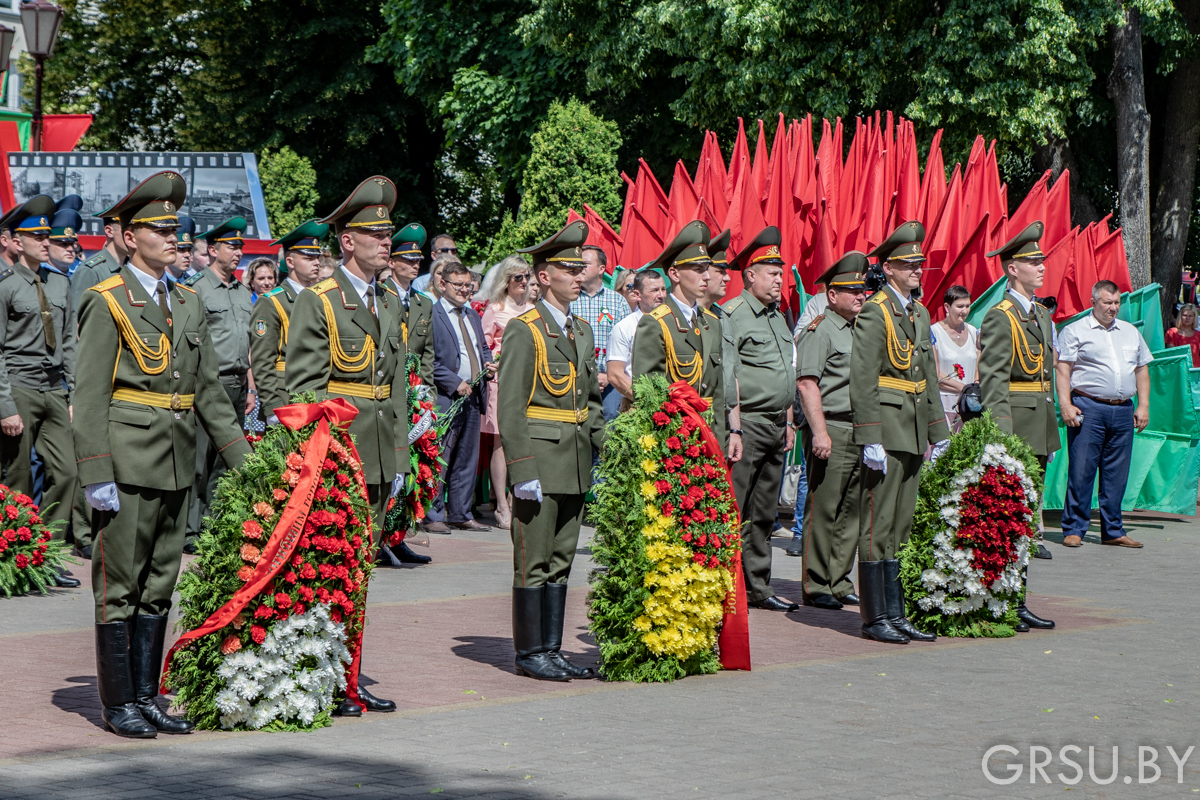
[1050, 459]
[875, 457]
[397, 485]
[938, 449]
[272, 420]
[102, 496]
[529, 490]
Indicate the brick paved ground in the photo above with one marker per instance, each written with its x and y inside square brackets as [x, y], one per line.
[824, 714]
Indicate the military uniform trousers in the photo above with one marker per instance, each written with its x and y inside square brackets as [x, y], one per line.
[831, 512]
[136, 553]
[47, 422]
[888, 503]
[209, 466]
[756, 478]
[544, 537]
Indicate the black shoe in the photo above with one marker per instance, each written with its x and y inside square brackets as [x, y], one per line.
[146, 655]
[554, 611]
[386, 558]
[795, 547]
[540, 666]
[64, 581]
[1021, 627]
[84, 552]
[575, 671]
[403, 552]
[849, 599]
[189, 546]
[873, 605]
[826, 601]
[1033, 620]
[374, 703]
[533, 660]
[1040, 551]
[345, 708]
[114, 681]
[894, 592]
[773, 603]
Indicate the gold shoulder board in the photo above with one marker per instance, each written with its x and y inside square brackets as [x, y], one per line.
[108, 284]
[324, 286]
[711, 314]
[660, 312]
[1005, 305]
[878, 298]
[531, 316]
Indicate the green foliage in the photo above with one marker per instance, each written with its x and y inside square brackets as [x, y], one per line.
[573, 161]
[964, 451]
[289, 186]
[618, 586]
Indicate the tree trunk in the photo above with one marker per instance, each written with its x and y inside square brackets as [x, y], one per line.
[1056, 155]
[1128, 93]
[1176, 184]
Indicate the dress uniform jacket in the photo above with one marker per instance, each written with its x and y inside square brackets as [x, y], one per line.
[336, 348]
[268, 345]
[1016, 373]
[665, 344]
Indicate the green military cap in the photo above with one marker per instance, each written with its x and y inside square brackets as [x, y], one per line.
[65, 224]
[849, 272]
[305, 238]
[369, 207]
[32, 216]
[230, 231]
[408, 241]
[762, 249]
[155, 202]
[718, 247]
[1024, 245]
[689, 248]
[563, 249]
[904, 244]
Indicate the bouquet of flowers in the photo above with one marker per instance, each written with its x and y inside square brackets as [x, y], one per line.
[963, 567]
[667, 539]
[274, 605]
[29, 558]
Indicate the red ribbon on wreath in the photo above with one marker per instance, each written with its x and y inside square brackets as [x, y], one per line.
[734, 640]
[277, 552]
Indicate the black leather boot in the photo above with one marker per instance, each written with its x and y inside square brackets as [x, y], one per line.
[372, 702]
[407, 556]
[554, 611]
[1028, 617]
[146, 653]
[532, 659]
[895, 603]
[872, 605]
[114, 680]
[64, 581]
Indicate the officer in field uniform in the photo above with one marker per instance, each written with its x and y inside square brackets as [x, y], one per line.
[835, 468]
[766, 390]
[550, 419]
[37, 367]
[301, 250]
[718, 251]
[346, 338]
[681, 339]
[418, 308]
[897, 412]
[1016, 365]
[147, 373]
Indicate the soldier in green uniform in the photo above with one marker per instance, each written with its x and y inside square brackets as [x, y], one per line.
[718, 251]
[227, 307]
[835, 468]
[37, 367]
[762, 415]
[418, 308]
[181, 270]
[550, 419]
[147, 370]
[680, 338]
[269, 324]
[103, 265]
[897, 412]
[347, 339]
[1016, 363]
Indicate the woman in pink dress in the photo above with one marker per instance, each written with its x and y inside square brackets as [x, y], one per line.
[1184, 333]
[508, 297]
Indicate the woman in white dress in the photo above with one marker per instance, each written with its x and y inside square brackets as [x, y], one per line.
[957, 346]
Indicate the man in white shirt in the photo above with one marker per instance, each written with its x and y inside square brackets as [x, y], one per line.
[1102, 365]
[648, 292]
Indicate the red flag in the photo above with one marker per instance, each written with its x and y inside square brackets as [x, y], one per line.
[943, 239]
[761, 163]
[908, 178]
[682, 200]
[1058, 210]
[825, 252]
[933, 182]
[1032, 208]
[1111, 261]
[642, 243]
[710, 178]
[745, 220]
[572, 216]
[780, 210]
[61, 132]
[969, 269]
[601, 234]
[739, 161]
[1085, 271]
[1060, 270]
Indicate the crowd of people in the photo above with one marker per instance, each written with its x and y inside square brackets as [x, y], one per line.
[543, 349]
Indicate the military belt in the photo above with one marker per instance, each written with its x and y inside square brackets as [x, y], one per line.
[363, 390]
[899, 384]
[575, 417]
[172, 402]
[1029, 386]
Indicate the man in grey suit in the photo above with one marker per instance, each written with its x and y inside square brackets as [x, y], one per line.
[459, 353]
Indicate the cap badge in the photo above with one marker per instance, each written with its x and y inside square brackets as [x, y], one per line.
[379, 212]
[168, 206]
[171, 176]
[68, 231]
[703, 252]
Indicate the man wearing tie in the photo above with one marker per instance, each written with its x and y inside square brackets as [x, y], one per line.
[459, 353]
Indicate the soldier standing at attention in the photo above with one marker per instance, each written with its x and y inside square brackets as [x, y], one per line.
[835, 468]
[227, 307]
[1016, 364]
[181, 270]
[347, 339]
[145, 364]
[269, 322]
[897, 412]
[766, 390]
[37, 367]
[680, 338]
[418, 308]
[104, 264]
[717, 283]
[550, 418]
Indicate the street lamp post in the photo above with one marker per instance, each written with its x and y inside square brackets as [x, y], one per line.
[41, 20]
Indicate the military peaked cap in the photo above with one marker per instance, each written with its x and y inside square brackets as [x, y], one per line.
[230, 231]
[1024, 245]
[369, 207]
[65, 224]
[904, 244]
[186, 234]
[563, 249]
[849, 272]
[762, 249]
[689, 248]
[305, 238]
[408, 241]
[155, 202]
[32, 216]
[717, 249]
